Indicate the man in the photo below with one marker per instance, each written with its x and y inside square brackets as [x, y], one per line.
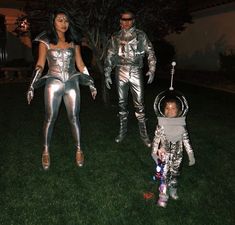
[126, 52]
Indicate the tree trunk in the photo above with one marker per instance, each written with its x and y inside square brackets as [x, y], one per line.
[104, 90]
[99, 64]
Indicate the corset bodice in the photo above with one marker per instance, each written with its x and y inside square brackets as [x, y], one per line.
[61, 63]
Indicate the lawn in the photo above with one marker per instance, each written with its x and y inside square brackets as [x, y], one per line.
[109, 189]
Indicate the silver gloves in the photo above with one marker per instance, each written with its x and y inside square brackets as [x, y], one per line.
[35, 77]
[108, 80]
[93, 91]
[91, 86]
[151, 77]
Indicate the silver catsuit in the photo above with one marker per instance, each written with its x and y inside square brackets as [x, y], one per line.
[61, 83]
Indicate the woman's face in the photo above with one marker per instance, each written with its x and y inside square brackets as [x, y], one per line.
[61, 23]
[171, 110]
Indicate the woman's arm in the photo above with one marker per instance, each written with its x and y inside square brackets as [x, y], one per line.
[79, 61]
[83, 69]
[42, 52]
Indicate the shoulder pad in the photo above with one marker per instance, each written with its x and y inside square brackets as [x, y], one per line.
[42, 37]
[140, 32]
[116, 33]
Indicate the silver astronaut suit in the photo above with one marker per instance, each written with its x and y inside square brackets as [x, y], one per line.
[61, 82]
[126, 52]
[171, 136]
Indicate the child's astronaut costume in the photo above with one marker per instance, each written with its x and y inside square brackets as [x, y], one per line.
[171, 136]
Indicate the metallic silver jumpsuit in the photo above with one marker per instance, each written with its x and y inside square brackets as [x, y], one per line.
[126, 52]
[171, 135]
[62, 82]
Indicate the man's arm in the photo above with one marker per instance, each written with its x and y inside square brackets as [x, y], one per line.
[149, 50]
[109, 62]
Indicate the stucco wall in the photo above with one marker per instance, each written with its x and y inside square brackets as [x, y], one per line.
[212, 32]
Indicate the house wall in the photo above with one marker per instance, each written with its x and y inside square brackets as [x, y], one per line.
[198, 47]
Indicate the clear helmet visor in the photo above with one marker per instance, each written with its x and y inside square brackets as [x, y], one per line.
[169, 95]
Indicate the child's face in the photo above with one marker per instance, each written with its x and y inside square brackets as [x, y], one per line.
[171, 110]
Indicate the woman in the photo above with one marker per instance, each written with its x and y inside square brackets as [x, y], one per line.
[60, 46]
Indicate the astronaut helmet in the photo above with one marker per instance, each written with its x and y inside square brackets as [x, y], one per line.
[167, 96]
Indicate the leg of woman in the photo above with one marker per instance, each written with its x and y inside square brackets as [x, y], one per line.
[53, 93]
[72, 104]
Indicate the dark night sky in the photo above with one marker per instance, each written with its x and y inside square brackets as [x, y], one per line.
[203, 4]
[193, 4]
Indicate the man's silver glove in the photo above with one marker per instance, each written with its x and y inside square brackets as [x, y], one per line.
[108, 80]
[151, 77]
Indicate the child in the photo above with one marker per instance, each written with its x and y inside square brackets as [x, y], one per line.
[170, 137]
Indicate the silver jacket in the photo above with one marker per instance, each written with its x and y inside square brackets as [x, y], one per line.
[129, 48]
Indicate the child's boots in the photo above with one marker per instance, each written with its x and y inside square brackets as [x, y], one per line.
[162, 201]
[163, 197]
[173, 193]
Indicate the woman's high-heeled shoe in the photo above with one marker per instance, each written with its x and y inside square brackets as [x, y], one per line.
[45, 159]
[79, 157]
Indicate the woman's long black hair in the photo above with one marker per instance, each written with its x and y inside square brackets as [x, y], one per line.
[71, 35]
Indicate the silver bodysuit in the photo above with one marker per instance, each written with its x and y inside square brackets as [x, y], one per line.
[126, 52]
[62, 82]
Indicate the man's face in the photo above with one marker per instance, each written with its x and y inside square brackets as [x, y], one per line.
[126, 21]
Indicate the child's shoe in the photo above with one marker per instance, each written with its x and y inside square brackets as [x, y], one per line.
[173, 193]
[162, 201]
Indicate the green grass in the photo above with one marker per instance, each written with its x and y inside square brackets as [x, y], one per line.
[109, 189]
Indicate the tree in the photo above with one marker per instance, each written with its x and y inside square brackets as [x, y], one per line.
[98, 19]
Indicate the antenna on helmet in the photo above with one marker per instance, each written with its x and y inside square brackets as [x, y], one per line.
[172, 75]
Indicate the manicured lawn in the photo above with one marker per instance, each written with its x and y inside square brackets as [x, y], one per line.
[109, 189]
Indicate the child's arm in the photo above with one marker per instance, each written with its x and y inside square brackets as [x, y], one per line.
[188, 148]
[156, 143]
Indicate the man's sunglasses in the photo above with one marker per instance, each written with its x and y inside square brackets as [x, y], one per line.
[126, 19]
